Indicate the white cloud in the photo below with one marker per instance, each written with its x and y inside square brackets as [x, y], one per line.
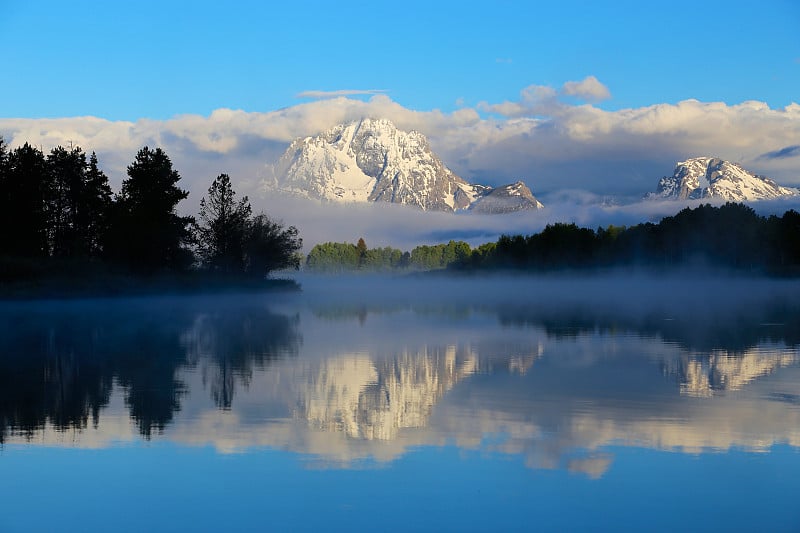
[534, 100]
[589, 89]
[543, 100]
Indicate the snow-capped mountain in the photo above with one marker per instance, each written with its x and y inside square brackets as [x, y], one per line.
[709, 177]
[370, 160]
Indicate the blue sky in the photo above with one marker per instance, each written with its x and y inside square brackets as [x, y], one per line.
[121, 60]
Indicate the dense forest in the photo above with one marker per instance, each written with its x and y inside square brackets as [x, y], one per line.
[61, 220]
[731, 236]
[332, 257]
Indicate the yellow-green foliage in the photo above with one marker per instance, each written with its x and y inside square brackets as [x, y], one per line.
[342, 257]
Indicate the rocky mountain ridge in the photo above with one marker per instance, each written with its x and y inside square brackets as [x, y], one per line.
[370, 160]
[711, 177]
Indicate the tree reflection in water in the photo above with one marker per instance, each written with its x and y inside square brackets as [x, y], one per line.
[230, 342]
[60, 361]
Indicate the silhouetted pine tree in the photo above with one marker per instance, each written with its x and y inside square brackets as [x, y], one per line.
[93, 219]
[65, 184]
[222, 228]
[147, 234]
[3, 158]
[23, 192]
[5, 198]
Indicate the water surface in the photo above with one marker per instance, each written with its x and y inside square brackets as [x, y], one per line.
[470, 404]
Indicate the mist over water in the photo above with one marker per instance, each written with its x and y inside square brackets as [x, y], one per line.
[572, 375]
[382, 224]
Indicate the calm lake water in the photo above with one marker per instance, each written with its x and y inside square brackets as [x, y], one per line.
[619, 403]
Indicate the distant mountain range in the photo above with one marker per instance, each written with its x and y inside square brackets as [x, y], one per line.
[370, 160]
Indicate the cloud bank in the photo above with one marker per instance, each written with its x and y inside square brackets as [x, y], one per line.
[564, 146]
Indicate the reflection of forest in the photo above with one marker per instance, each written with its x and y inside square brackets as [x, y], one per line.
[718, 343]
[735, 329]
[230, 344]
[61, 361]
[721, 348]
[732, 329]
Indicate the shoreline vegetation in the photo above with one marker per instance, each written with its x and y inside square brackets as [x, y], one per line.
[730, 238]
[63, 233]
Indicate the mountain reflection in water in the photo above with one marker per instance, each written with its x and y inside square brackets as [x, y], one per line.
[346, 380]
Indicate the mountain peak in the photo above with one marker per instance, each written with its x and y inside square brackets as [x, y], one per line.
[712, 177]
[370, 160]
[506, 199]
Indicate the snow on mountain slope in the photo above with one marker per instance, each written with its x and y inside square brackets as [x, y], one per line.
[372, 161]
[709, 177]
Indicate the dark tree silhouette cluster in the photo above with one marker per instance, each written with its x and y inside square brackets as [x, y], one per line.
[147, 233]
[730, 236]
[59, 219]
[232, 241]
[61, 364]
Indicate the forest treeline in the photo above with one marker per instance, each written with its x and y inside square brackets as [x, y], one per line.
[333, 257]
[60, 219]
[731, 236]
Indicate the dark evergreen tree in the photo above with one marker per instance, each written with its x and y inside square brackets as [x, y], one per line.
[147, 233]
[5, 198]
[789, 242]
[222, 228]
[361, 246]
[23, 193]
[93, 219]
[66, 170]
[3, 158]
